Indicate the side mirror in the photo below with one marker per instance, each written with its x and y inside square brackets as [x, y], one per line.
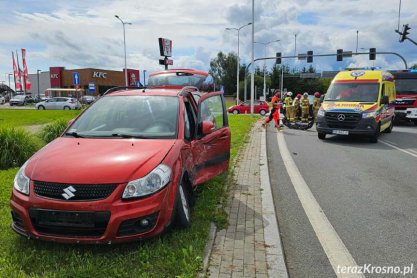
[207, 127]
[384, 100]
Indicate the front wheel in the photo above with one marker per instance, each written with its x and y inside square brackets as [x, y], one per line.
[374, 138]
[235, 112]
[67, 108]
[415, 121]
[321, 135]
[389, 129]
[183, 207]
[41, 107]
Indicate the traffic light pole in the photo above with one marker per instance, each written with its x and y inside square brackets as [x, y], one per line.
[407, 38]
[319, 55]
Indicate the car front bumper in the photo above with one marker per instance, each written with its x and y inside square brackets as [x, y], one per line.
[104, 221]
[365, 126]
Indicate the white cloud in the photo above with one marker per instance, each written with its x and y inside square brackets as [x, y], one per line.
[86, 34]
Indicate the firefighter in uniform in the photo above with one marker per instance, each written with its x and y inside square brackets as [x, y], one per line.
[305, 107]
[296, 107]
[316, 105]
[289, 109]
[274, 101]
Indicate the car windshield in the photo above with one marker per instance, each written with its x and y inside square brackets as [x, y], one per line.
[353, 92]
[406, 86]
[129, 117]
[202, 82]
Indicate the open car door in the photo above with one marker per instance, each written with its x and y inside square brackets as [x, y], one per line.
[212, 146]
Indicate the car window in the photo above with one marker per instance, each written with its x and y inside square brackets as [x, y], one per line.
[134, 116]
[189, 117]
[211, 109]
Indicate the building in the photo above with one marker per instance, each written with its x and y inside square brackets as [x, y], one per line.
[91, 81]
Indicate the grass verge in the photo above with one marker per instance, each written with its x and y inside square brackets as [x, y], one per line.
[9, 117]
[178, 253]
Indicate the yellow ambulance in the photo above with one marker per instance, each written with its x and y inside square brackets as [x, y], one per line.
[358, 102]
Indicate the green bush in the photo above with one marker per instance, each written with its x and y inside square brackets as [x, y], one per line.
[53, 130]
[16, 146]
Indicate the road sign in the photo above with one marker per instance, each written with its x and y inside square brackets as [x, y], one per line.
[75, 78]
[91, 87]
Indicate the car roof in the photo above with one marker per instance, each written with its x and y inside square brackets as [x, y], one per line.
[148, 92]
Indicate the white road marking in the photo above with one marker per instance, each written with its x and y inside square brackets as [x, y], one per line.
[407, 151]
[333, 246]
[274, 252]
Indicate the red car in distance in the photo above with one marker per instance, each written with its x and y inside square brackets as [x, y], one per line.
[260, 107]
[124, 169]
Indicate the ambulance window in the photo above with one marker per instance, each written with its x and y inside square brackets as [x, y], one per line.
[383, 90]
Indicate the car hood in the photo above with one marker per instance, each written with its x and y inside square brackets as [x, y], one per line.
[96, 161]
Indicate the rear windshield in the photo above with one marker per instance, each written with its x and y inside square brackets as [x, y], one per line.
[353, 92]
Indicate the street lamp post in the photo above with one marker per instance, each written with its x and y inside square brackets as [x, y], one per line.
[37, 75]
[265, 44]
[238, 62]
[357, 40]
[144, 76]
[124, 44]
[9, 74]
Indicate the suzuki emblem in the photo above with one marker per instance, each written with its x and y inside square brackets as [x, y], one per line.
[341, 117]
[69, 192]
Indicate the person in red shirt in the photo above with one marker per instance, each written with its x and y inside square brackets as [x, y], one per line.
[276, 105]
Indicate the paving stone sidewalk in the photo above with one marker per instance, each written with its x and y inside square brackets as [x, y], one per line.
[240, 250]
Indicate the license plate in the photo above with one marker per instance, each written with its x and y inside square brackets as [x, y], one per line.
[340, 132]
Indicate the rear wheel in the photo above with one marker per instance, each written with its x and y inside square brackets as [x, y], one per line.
[183, 207]
[235, 111]
[415, 121]
[41, 107]
[321, 135]
[262, 112]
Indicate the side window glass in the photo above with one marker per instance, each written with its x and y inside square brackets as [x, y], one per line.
[383, 90]
[189, 121]
[211, 109]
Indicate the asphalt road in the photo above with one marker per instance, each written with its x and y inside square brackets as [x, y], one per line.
[368, 192]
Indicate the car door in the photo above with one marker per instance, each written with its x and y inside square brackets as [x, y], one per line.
[51, 103]
[211, 149]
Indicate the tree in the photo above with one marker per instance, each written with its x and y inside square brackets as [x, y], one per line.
[223, 70]
[413, 66]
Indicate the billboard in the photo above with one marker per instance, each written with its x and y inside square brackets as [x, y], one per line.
[133, 77]
[165, 47]
[56, 76]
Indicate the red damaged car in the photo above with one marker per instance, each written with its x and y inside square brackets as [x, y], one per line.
[124, 169]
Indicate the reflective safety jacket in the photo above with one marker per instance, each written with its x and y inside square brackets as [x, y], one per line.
[316, 103]
[288, 101]
[305, 102]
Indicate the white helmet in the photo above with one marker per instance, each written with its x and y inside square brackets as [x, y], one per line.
[289, 94]
[305, 94]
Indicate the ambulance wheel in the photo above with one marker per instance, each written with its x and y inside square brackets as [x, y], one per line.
[321, 135]
[415, 121]
[374, 138]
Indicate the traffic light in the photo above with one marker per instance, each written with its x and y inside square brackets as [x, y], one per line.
[310, 56]
[404, 33]
[339, 56]
[278, 60]
[372, 53]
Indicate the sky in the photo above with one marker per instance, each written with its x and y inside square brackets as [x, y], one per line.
[85, 34]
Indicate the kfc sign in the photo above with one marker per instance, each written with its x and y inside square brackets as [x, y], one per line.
[165, 47]
[133, 77]
[99, 74]
[55, 74]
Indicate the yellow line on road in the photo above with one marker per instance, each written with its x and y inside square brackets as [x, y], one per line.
[333, 246]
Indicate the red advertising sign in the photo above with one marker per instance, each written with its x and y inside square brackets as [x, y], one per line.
[165, 47]
[25, 71]
[56, 76]
[133, 77]
[16, 72]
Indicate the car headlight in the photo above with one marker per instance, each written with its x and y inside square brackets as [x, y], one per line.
[321, 113]
[152, 182]
[21, 181]
[369, 114]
